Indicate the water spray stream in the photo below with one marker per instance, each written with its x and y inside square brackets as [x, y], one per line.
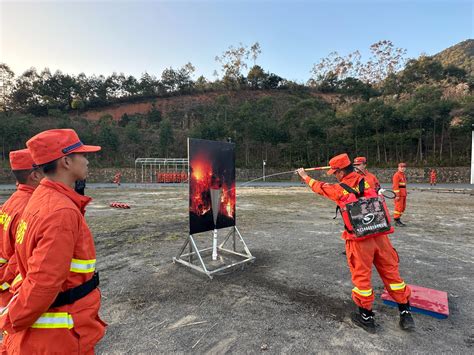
[285, 172]
[267, 176]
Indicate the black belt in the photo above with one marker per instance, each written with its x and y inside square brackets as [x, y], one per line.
[73, 294]
[402, 187]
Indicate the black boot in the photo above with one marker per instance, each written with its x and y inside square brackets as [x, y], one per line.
[406, 320]
[364, 319]
[399, 223]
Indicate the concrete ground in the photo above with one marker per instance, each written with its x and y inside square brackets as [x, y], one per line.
[295, 298]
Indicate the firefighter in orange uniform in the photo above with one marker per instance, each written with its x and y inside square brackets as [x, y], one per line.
[433, 177]
[364, 252]
[28, 177]
[117, 178]
[360, 164]
[400, 188]
[55, 310]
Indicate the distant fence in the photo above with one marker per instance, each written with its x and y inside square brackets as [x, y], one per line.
[414, 175]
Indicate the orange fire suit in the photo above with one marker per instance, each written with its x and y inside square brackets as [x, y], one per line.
[362, 254]
[55, 252]
[9, 219]
[117, 178]
[400, 188]
[433, 177]
[371, 179]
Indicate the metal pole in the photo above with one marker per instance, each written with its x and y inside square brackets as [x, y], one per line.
[233, 239]
[263, 166]
[190, 253]
[214, 245]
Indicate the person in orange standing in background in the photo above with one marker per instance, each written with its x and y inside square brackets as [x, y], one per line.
[433, 177]
[117, 178]
[360, 165]
[362, 254]
[28, 177]
[55, 310]
[400, 189]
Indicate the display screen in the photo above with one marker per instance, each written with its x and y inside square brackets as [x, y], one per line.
[211, 185]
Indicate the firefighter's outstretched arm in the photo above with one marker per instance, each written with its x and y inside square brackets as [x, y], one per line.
[302, 173]
[330, 191]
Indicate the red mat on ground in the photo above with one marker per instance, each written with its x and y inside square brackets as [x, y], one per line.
[424, 300]
[119, 205]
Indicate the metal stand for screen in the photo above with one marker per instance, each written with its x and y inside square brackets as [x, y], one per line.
[198, 255]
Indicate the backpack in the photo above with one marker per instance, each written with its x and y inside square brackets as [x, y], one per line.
[364, 212]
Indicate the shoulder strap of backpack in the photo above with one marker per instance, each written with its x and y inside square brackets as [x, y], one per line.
[348, 189]
[352, 191]
[361, 187]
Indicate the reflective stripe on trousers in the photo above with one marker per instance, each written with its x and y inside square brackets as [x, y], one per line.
[397, 287]
[363, 293]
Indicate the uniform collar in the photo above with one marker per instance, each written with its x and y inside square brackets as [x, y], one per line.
[80, 201]
[352, 179]
[25, 188]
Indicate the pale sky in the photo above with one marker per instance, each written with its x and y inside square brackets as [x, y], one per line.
[100, 37]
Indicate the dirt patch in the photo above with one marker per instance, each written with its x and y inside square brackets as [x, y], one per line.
[295, 298]
[185, 103]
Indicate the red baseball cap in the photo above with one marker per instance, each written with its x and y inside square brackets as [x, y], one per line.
[56, 143]
[402, 165]
[360, 160]
[21, 160]
[340, 161]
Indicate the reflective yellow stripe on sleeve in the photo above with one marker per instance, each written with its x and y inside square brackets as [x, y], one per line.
[52, 320]
[397, 287]
[6, 222]
[20, 231]
[311, 182]
[363, 293]
[3, 261]
[17, 279]
[396, 191]
[5, 286]
[82, 266]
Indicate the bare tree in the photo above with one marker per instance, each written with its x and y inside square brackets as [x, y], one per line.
[6, 85]
[337, 65]
[255, 51]
[233, 61]
[385, 59]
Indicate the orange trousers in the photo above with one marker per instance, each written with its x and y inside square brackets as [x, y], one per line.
[65, 341]
[400, 206]
[5, 297]
[378, 251]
